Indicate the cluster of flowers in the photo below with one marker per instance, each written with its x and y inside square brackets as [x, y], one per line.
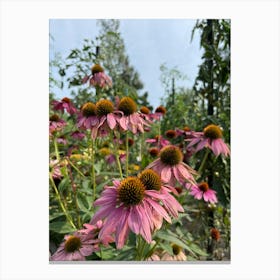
[140, 203]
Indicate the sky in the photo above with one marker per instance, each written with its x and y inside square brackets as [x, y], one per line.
[148, 42]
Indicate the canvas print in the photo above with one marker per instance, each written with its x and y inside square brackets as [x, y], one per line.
[139, 140]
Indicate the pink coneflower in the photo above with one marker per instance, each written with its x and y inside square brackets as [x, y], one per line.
[112, 158]
[56, 123]
[154, 152]
[178, 254]
[78, 135]
[64, 104]
[211, 137]
[185, 131]
[160, 111]
[94, 231]
[202, 190]
[158, 141]
[131, 119]
[152, 181]
[75, 248]
[126, 206]
[61, 140]
[171, 167]
[170, 134]
[55, 169]
[108, 118]
[98, 77]
[147, 115]
[88, 117]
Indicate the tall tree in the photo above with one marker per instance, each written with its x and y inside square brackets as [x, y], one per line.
[115, 60]
[212, 85]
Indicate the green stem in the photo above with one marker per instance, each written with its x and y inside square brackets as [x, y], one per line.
[152, 250]
[68, 217]
[116, 147]
[56, 149]
[93, 169]
[127, 153]
[77, 209]
[141, 146]
[140, 248]
[159, 133]
[76, 168]
[202, 166]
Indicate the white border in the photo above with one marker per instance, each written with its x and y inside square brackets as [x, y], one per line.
[255, 138]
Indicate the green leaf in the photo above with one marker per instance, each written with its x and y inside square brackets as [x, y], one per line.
[167, 247]
[58, 214]
[127, 254]
[83, 202]
[172, 239]
[64, 184]
[197, 250]
[61, 227]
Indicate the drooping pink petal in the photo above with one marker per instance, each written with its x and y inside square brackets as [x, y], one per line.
[166, 174]
[198, 195]
[153, 164]
[123, 123]
[111, 121]
[122, 229]
[86, 250]
[201, 145]
[134, 221]
[192, 142]
[145, 228]
[102, 213]
[111, 222]
[159, 209]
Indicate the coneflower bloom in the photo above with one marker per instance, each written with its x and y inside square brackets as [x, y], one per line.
[108, 118]
[152, 181]
[171, 167]
[87, 118]
[56, 123]
[110, 159]
[185, 131]
[55, 169]
[147, 115]
[61, 140]
[64, 104]
[211, 137]
[131, 119]
[160, 111]
[77, 135]
[170, 134]
[158, 141]
[178, 254]
[94, 231]
[126, 206]
[202, 190]
[75, 248]
[98, 78]
[154, 152]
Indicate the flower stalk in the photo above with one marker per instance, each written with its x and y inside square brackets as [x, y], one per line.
[93, 176]
[127, 153]
[68, 217]
[202, 165]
